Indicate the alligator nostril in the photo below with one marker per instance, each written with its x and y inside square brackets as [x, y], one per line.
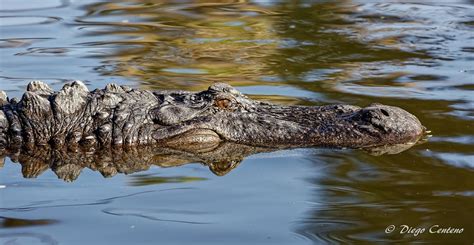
[384, 112]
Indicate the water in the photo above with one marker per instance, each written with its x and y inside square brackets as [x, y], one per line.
[419, 56]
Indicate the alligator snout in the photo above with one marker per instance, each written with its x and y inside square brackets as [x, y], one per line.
[391, 123]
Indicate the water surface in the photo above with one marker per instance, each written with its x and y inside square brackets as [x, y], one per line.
[416, 55]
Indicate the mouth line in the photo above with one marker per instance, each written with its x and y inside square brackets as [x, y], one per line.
[198, 138]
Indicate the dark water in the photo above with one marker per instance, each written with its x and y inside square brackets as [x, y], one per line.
[419, 56]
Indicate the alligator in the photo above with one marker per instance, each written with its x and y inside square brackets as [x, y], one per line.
[123, 130]
[121, 116]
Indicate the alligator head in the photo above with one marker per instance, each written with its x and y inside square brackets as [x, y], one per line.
[119, 115]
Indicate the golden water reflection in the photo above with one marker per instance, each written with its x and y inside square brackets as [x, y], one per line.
[184, 46]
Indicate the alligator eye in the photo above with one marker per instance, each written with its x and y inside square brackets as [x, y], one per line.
[222, 103]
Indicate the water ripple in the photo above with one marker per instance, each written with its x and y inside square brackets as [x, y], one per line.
[153, 214]
[24, 6]
[7, 21]
[27, 238]
[20, 42]
[98, 202]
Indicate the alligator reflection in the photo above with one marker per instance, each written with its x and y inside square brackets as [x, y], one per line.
[10, 222]
[68, 163]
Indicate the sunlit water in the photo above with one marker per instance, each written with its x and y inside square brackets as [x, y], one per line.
[419, 56]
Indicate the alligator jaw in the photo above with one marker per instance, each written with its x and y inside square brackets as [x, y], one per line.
[300, 126]
[194, 140]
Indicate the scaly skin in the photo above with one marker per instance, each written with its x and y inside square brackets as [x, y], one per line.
[121, 116]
